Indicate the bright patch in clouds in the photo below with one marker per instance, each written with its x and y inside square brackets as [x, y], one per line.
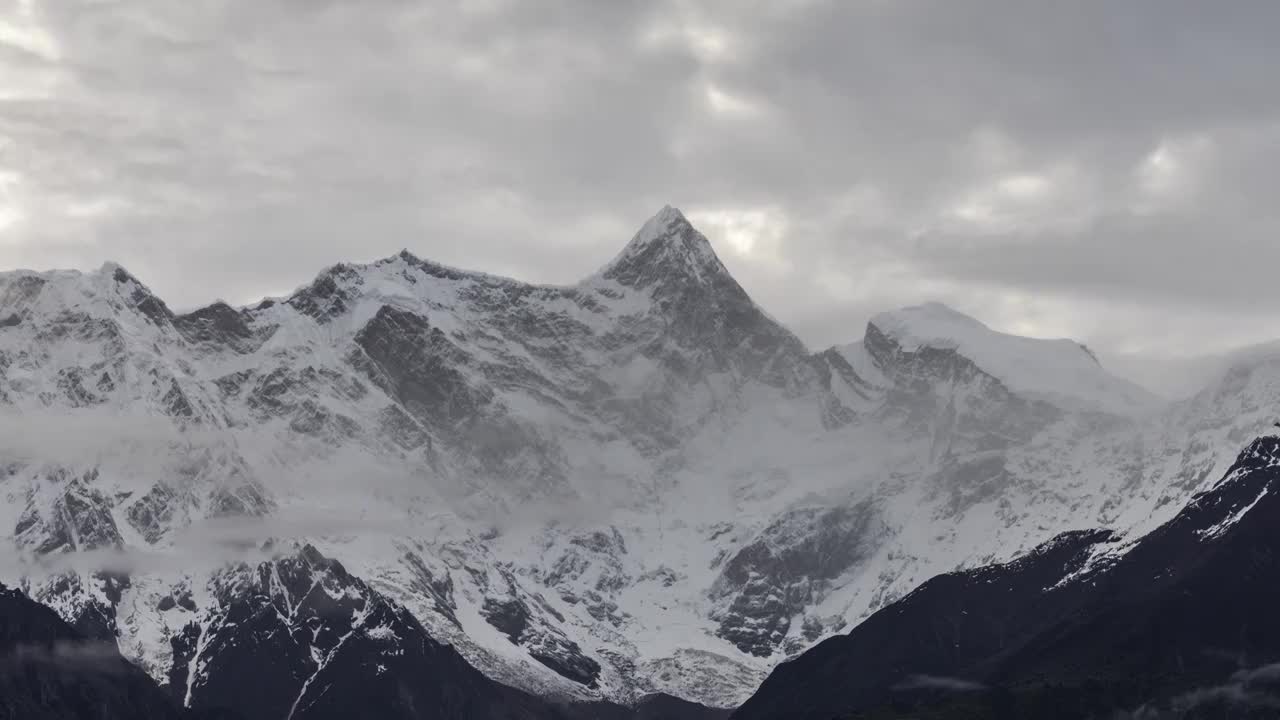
[723, 102]
[20, 28]
[1026, 186]
[708, 43]
[9, 211]
[1005, 203]
[1171, 171]
[751, 233]
[22, 34]
[1057, 197]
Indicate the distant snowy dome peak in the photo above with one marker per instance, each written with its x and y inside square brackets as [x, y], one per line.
[937, 325]
[1060, 371]
[666, 246]
[930, 324]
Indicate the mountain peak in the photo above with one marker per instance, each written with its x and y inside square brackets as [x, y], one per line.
[1061, 371]
[666, 246]
[136, 294]
[666, 216]
[110, 286]
[930, 324]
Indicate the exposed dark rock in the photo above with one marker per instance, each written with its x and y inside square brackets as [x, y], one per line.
[513, 618]
[23, 290]
[610, 543]
[287, 390]
[246, 499]
[664, 575]
[510, 617]
[420, 367]
[220, 325]
[565, 657]
[417, 363]
[1180, 617]
[77, 596]
[50, 671]
[402, 429]
[330, 294]
[152, 307]
[153, 513]
[183, 645]
[440, 590]
[666, 707]
[79, 519]
[706, 314]
[259, 664]
[650, 707]
[176, 403]
[231, 385]
[941, 392]
[787, 568]
[830, 367]
[300, 637]
[71, 383]
[603, 610]
[311, 418]
[812, 629]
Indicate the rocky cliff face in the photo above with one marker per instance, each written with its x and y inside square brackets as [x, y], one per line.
[788, 568]
[637, 484]
[963, 408]
[298, 636]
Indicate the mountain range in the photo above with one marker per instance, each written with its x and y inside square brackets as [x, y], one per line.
[639, 490]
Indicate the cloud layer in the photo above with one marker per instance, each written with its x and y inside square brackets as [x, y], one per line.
[1090, 169]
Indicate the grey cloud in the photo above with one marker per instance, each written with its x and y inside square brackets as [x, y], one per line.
[211, 544]
[986, 154]
[1122, 256]
[36, 442]
[1249, 690]
[934, 682]
[95, 658]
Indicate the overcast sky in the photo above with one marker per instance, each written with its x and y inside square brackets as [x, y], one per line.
[1103, 170]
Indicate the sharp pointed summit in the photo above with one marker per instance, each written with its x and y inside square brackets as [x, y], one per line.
[704, 308]
[666, 246]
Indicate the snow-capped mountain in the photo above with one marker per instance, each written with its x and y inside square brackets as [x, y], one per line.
[640, 483]
[1179, 623]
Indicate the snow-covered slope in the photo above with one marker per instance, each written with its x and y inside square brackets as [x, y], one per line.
[638, 483]
[1062, 372]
